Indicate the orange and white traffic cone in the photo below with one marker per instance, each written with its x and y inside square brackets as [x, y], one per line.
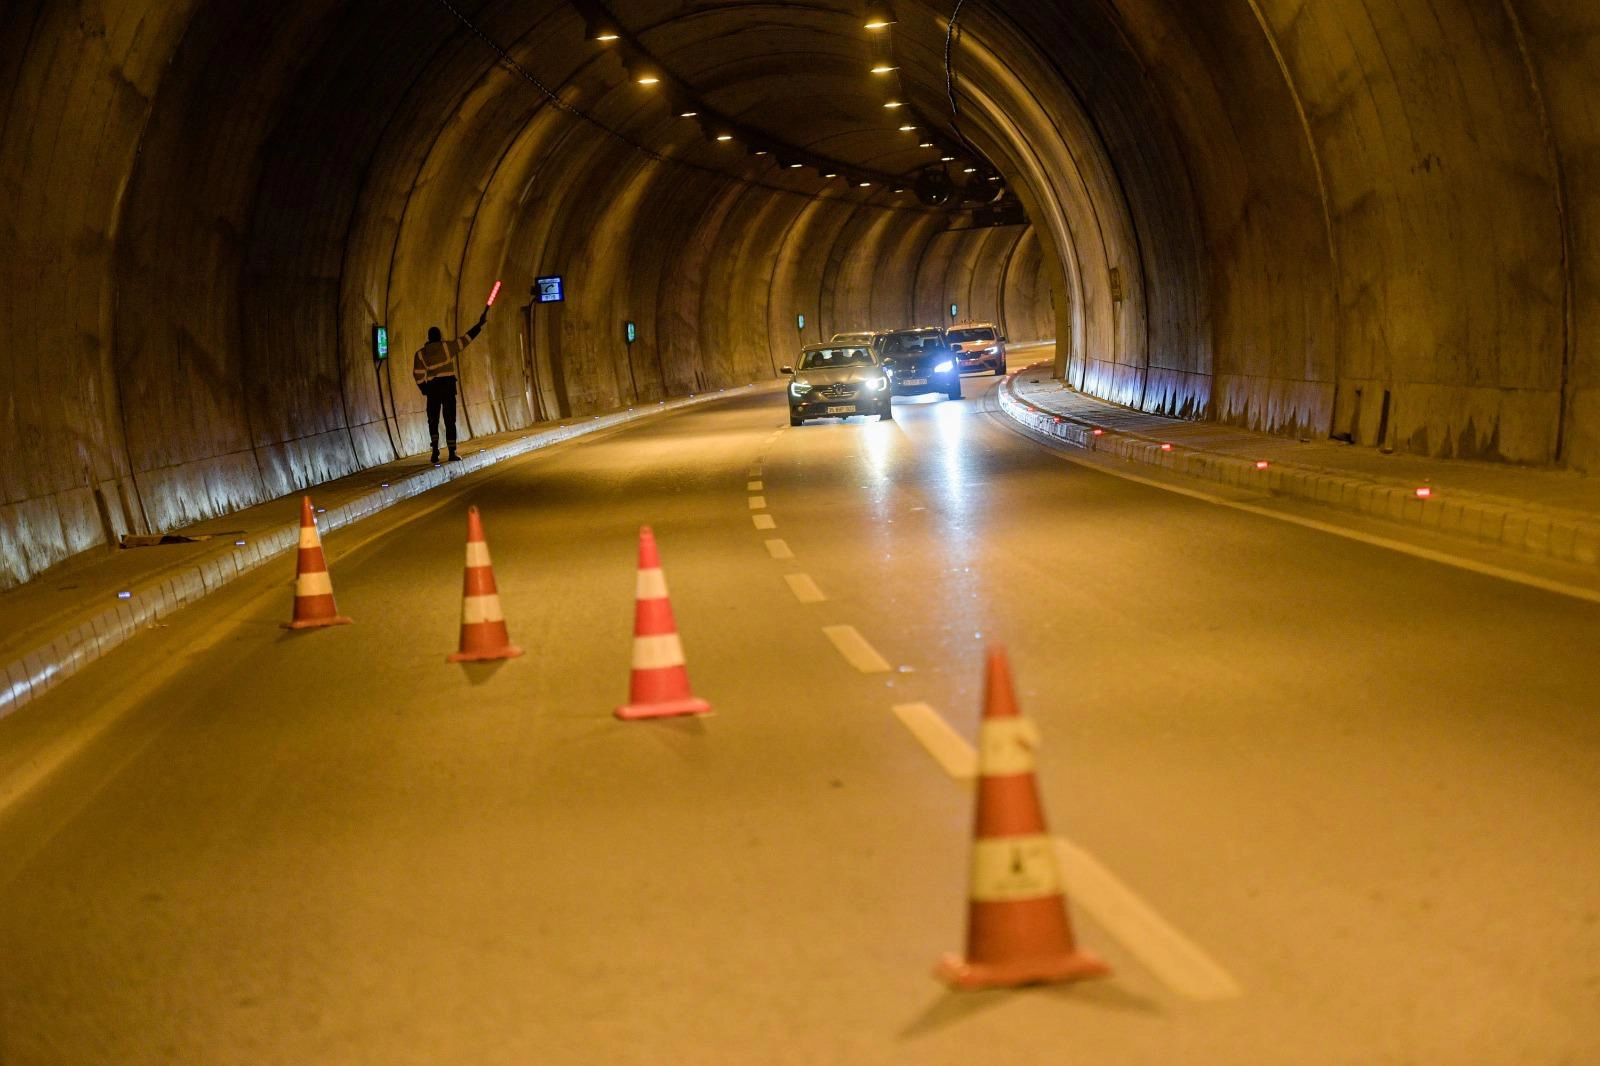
[313, 588]
[483, 625]
[659, 687]
[1018, 932]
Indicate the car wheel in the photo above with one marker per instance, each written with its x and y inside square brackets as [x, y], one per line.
[955, 390]
[795, 420]
[1000, 368]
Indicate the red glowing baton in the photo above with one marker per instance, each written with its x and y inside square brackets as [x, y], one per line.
[492, 294]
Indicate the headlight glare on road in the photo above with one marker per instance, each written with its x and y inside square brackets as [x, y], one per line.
[944, 366]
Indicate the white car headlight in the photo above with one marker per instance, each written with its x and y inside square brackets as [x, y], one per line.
[798, 387]
[876, 384]
[944, 366]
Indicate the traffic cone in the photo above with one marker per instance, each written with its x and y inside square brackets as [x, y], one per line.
[659, 687]
[313, 589]
[483, 626]
[1018, 932]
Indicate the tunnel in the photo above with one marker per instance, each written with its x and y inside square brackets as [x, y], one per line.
[1370, 221]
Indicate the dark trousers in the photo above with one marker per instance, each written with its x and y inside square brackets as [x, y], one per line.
[441, 393]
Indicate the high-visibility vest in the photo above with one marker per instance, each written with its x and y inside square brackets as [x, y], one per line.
[438, 359]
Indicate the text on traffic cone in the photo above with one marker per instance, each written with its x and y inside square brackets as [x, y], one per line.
[1018, 932]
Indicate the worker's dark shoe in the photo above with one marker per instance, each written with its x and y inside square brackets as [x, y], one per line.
[435, 459]
[454, 458]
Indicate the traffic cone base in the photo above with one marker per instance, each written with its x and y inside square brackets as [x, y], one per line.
[969, 976]
[315, 623]
[483, 626]
[666, 709]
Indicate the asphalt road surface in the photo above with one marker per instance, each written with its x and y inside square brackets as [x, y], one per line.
[1317, 802]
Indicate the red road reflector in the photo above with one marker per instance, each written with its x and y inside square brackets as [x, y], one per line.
[1166, 447]
[1262, 464]
[1099, 432]
[1423, 492]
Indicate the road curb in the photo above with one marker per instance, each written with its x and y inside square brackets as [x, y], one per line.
[48, 664]
[1546, 533]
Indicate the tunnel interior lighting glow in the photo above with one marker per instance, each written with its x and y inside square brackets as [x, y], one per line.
[690, 113]
[601, 30]
[878, 16]
[892, 104]
[947, 159]
[969, 170]
[908, 128]
[724, 136]
[1262, 464]
[863, 184]
[926, 144]
[884, 68]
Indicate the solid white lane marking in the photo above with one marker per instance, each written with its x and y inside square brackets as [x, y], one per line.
[805, 590]
[856, 651]
[1178, 961]
[1560, 588]
[758, 503]
[948, 748]
[764, 521]
[754, 486]
[779, 549]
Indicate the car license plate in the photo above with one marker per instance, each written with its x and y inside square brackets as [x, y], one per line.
[842, 409]
[915, 381]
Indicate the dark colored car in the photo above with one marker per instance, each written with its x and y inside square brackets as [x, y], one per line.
[837, 381]
[919, 361]
[978, 346]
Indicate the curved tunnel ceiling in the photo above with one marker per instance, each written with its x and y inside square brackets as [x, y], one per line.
[1372, 220]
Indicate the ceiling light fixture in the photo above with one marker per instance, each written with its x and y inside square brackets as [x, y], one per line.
[884, 68]
[601, 30]
[878, 15]
[908, 129]
[892, 104]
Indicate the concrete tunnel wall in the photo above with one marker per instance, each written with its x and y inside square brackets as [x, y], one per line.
[1372, 220]
[214, 202]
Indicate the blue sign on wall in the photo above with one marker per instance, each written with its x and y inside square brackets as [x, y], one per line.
[630, 332]
[549, 290]
[800, 320]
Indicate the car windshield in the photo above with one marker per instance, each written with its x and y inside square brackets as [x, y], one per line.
[961, 336]
[833, 358]
[911, 343]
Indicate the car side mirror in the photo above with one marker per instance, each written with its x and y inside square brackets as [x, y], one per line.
[1005, 340]
[786, 370]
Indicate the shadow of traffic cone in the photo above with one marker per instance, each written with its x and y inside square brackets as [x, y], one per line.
[659, 687]
[313, 588]
[483, 625]
[1018, 932]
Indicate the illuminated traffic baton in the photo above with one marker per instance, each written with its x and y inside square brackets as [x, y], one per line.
[492, 294]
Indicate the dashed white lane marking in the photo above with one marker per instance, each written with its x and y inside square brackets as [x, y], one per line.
[758, 503]
[764, 521]
[948, 748]
[755, 471]
[1177, 961]
[805, 590]
[779, 549]
[754, 486]
[857, 652]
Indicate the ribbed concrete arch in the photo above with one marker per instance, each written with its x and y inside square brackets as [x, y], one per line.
[1373, 220]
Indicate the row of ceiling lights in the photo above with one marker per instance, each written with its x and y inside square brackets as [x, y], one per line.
[643, 71]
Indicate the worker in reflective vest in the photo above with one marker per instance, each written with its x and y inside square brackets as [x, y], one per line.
[435, 367]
